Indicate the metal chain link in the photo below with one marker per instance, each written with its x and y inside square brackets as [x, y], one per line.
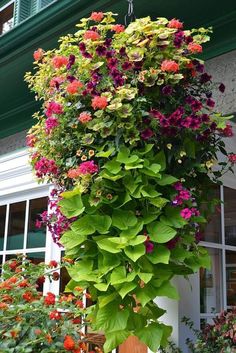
[130, 14]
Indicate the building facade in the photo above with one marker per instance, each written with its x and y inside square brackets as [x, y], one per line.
[26, 25]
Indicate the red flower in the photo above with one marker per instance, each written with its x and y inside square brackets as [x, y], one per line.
[69, 343]
[232, 158]
[97, 16]
[91, 35]
[3, 306]
[174, 23]
[50, 299]
[169, 66]
[24, 283]
[80, 304]
[38, 54]
[55, 315]
[55, 276]
[13, 265]
[99, 102]
[194, 47]
[73, 87]
[53, 263]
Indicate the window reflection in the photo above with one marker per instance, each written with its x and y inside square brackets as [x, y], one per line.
[212, 231]
[36, 237]
[2, 225]
[16, 226]
[211, 284]
[230, 216]
[231, 277]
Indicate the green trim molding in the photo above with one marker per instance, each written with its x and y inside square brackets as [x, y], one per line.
[44, 28]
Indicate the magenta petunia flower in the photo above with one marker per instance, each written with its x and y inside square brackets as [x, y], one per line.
[186, 213]
[146, 134]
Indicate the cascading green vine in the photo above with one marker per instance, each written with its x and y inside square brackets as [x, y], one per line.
[129, 135]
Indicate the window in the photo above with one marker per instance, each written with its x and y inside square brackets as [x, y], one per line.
[218, 285]
[6, 17]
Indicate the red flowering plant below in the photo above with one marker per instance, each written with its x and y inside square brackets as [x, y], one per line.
[31, 322]
[129, 134]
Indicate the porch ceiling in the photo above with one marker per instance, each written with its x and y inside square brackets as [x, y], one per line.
[43, 29]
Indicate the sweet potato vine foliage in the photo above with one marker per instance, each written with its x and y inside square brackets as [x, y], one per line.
[129, 135]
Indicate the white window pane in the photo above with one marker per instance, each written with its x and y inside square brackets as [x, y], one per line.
[211, 284]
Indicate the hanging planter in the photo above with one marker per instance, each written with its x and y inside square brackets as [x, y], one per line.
[129, 135]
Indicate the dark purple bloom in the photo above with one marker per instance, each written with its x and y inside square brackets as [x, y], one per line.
[156, 114]
[112, 63]
[71, 78]
[196, 105]
[108, 42]
[208, 94]
[210, 103]
[188, 39]
[119, 81]
[82, 47]
[172, 243]
[205, 78]
[101, 50]
[71, 61]
[127, 65]
[146, 134]
[90, 85]
[122, 51]
[222, 88]
[205, 118]
[198, 236]
[189, 100]
[178, 39]
[167, 90]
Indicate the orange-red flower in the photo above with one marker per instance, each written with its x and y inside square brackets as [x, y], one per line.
[91, 35]
[38, 54]
[84, 117]
[28, 296]
[97, 16]
[194, 47]
[99, 102]
[69, 343]
[118, 28]
[174, 23]
[73, 173]
[24, 283]
[3, 306]
[169, 66]
[53, 263]
[73, 87]
[55, 315]
[59, 61]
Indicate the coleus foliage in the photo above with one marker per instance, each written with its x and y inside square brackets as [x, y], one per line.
[128, 131]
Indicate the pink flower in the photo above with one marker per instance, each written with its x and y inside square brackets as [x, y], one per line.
[73, 87]
[53, 108]
[185, 194]
[232, 158]
[73, 173]
[56, 81]
[88, 167]
[99, 102]
[227, 131]
[84, 117]
[50, 124]
[156, 114]
[174, 23]
[118, 28]
[169, 66]
[194, 47]
[38, 54]
[91, 35]
[97, 16]
[186, 213]
[45, 167]
[31, 140]
[59, 61]
[178, 186]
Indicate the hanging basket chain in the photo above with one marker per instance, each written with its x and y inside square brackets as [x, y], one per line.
[130, 16]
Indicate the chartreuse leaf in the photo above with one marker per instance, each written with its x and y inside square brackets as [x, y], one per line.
[108, 245]
[124, 156]
[167, 180]
[82, 271]
[103, 300]
[127, 288]
[131, 232]
[145, 277]
[151, 335]
[159, 202]
[105, 154]
[145, 294]
[167, 330]
[83, 226]
[102, 286]
[123, 219]
[135, 252]
[70, 239]
[160, 254]
[72, 207]
[150, 191]
[140, 239]
[113, 166]
[111, 318]
[114, 339]
[160, 232]
[166, 289]
[118, 275]
[68, 194]
[100, 223]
